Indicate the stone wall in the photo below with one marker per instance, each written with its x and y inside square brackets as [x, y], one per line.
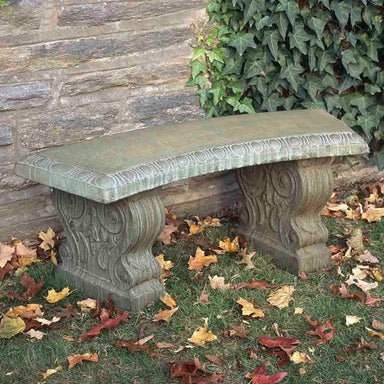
[75, 69]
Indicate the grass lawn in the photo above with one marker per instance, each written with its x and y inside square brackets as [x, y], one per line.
[25, 359]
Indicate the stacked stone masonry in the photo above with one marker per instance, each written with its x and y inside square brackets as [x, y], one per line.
[72, 70]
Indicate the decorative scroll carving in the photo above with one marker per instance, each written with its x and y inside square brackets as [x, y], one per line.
[111, 187]
[109, 246]
[282, 204]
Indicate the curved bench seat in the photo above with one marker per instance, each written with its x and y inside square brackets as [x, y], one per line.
[111, 168]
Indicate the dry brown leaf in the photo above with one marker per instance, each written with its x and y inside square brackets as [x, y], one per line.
[166, 234]
[145, 340]
[202, 335]
[48, 239]
[76, 359]
[6, 253]
[211, 222]
[367, 257]
[374, 333]
[30, 311]
[298, 311]
[363, 285]
[53, 258]
[230, 246]
[373, 214]
[55, 297]
[378, 325]
[168, 301]
[164, 315]
[166, 266]
[281, 297]
[248, 309]
[237, 331]
[300, 358]
[247, 259]
[51, 372]
[199, 261]
[164, 345]
[350, 320]
[217, 282]
[204, 298]
[33, 334]
[355, 242]
[215, 359]
[87, 305]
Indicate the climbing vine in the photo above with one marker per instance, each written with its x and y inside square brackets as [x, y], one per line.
[271, 55]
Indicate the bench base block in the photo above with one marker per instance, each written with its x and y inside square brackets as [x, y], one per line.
[108, 247]
[281, 213]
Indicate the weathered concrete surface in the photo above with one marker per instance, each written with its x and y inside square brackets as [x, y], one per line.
[71, 70]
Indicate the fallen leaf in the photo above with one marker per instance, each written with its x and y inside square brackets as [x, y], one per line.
[166, 266]
[168, 301]
[133, 346]
[358, 273]
[298, 311]
[230, 246]
[302, 371]
[25, 255]
[363, 285]
[87, 305]
[68, 338]
[303, 276]
[33, 334]
[164, 345]
[372, 301]
[281, 347]
[199, 261]
[258, 376]
[76, 359]
[106, 322]
[237, 331]
[53, 258]
[248, 309]
[373, 214]
[48, 239]
[345, 294]
[32, 288]
[68, 311]
[51, 372]
[7, 270]
[324, 332]
[374, 333]
[253, 284]
[55, 297]
[355, 241]
[367, 257]
[247, 259]
[202, 335]
[166, 234]
[217, 282]
[145, 340]
[281, 297]
[48, 322]
[164, 315]
[300, 358]
[204, 298]
[6, 254]
[211, 222]
[378, 325]
[360, 344]
[376, 274]
[350, 320]
[30, 311]
[10, 327]
[215, 359]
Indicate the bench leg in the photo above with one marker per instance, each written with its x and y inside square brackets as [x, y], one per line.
[108, 247]
[281, 213]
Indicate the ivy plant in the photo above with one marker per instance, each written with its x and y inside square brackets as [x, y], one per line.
[3, 3]
[272, 55]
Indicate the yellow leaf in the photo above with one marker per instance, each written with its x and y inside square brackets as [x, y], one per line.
[6, 253]
[300, 357]
[299, 311]
[230, 246]
[10, 327]
[51, 372]
[54, 297]
[281, 297]
[164, 315]
[47, 237]
[30, 311]
[202, 335]
[53, 258]
[248, 309]
[349, 320]
[200, 261]
[375, 333]
[211, 222]
[76, 359]
[247, 259]
[167, 300]
[87, 305]
[217, 282]
[25, 255]
[373, 214]
[166, 266]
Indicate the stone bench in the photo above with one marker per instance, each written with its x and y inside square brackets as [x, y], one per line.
[105, 192]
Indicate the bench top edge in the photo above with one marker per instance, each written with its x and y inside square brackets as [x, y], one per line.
[110, 187]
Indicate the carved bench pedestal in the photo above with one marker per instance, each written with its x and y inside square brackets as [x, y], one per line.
[281, 214]
[108, 249]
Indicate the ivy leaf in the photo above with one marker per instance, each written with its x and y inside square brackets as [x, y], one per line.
[252, 8]
[291, 73]
[317, 25]
[298, 38]
[246, 106]
[271, 38]
[355, 15]
[198, 52]
[272, 102]
[290, 8]
[215, 54]
[371, 88]
[332, 102]
[242, 41]
[367, 124]
[342, 10]
[197, 68]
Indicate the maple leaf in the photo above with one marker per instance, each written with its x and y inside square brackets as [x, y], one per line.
[55, 297]
[135, 346]
[87, 305]
[344, 293]
[360, 344]
[10, 327]
[372, 301]
[215, 359]
[363, 285]
[48, 239]
[237, 331]
[6, 254]
[373, 214]
[166, 234]
[53, 258]
[202, 335]
[76, 359]
[281, 297]
[325, 332]
[217, 282]
[164, 315]
[195, 373]
[247, 259]
[350, 320]
[33, 334]
[7, 270]
[166, 266]
[248, 309]
[281, 347]
[367, 257]
[253, 284]
[230, 246]
[200, 261]
[258, 376]
[32, 288]
[168, 301]
[106, 322]
[25, 256]
[30, 311]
